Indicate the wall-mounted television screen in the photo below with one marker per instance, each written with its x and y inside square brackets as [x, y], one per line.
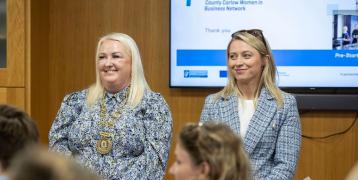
[314, 42]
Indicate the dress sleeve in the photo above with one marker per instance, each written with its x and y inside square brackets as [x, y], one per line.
[288, 143]
[157, 125]
[67, 114]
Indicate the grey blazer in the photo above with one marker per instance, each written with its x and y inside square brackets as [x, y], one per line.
[273, 137]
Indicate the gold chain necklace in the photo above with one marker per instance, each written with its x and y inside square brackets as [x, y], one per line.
[104, 144]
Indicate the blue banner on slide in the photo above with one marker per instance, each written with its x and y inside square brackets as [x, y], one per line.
[282, 57]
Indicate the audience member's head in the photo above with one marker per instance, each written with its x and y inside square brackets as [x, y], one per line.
[40, 164]
[210, 151]
[17, 130]
[345, 29]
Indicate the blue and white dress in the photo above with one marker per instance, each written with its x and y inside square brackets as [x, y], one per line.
[140, 142]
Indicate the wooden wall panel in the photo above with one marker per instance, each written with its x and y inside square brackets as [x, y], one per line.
[74, 28]
[13, 96]
[330, 158]
[38, 68]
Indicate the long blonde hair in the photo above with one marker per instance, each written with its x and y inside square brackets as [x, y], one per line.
[138, 82]
[255, 39]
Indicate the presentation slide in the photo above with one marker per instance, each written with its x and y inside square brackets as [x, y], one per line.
[314, 42]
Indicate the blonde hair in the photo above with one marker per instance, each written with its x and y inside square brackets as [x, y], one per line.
[138, 83]
[38, 163]
[255, 39]
[217, 145]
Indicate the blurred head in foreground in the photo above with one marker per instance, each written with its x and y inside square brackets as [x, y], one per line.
[39, 164]
[210, 151]
[17, 130]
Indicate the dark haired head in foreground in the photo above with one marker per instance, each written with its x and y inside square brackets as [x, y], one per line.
[17, 130]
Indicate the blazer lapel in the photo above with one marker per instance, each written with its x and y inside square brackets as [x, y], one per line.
[262, 117]
[229, 112]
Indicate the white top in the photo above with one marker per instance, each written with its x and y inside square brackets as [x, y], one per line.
[246, 111]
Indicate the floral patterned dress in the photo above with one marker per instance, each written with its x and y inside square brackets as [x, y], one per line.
[140, 137]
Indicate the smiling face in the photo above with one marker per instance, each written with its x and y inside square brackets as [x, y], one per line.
[114, 65]
[245, 63]
[345, 28]
[183, 167]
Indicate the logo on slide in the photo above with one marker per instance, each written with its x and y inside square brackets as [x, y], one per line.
[195, 74]
[188, 2]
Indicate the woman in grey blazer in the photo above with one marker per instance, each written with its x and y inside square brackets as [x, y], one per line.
[254, 107]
